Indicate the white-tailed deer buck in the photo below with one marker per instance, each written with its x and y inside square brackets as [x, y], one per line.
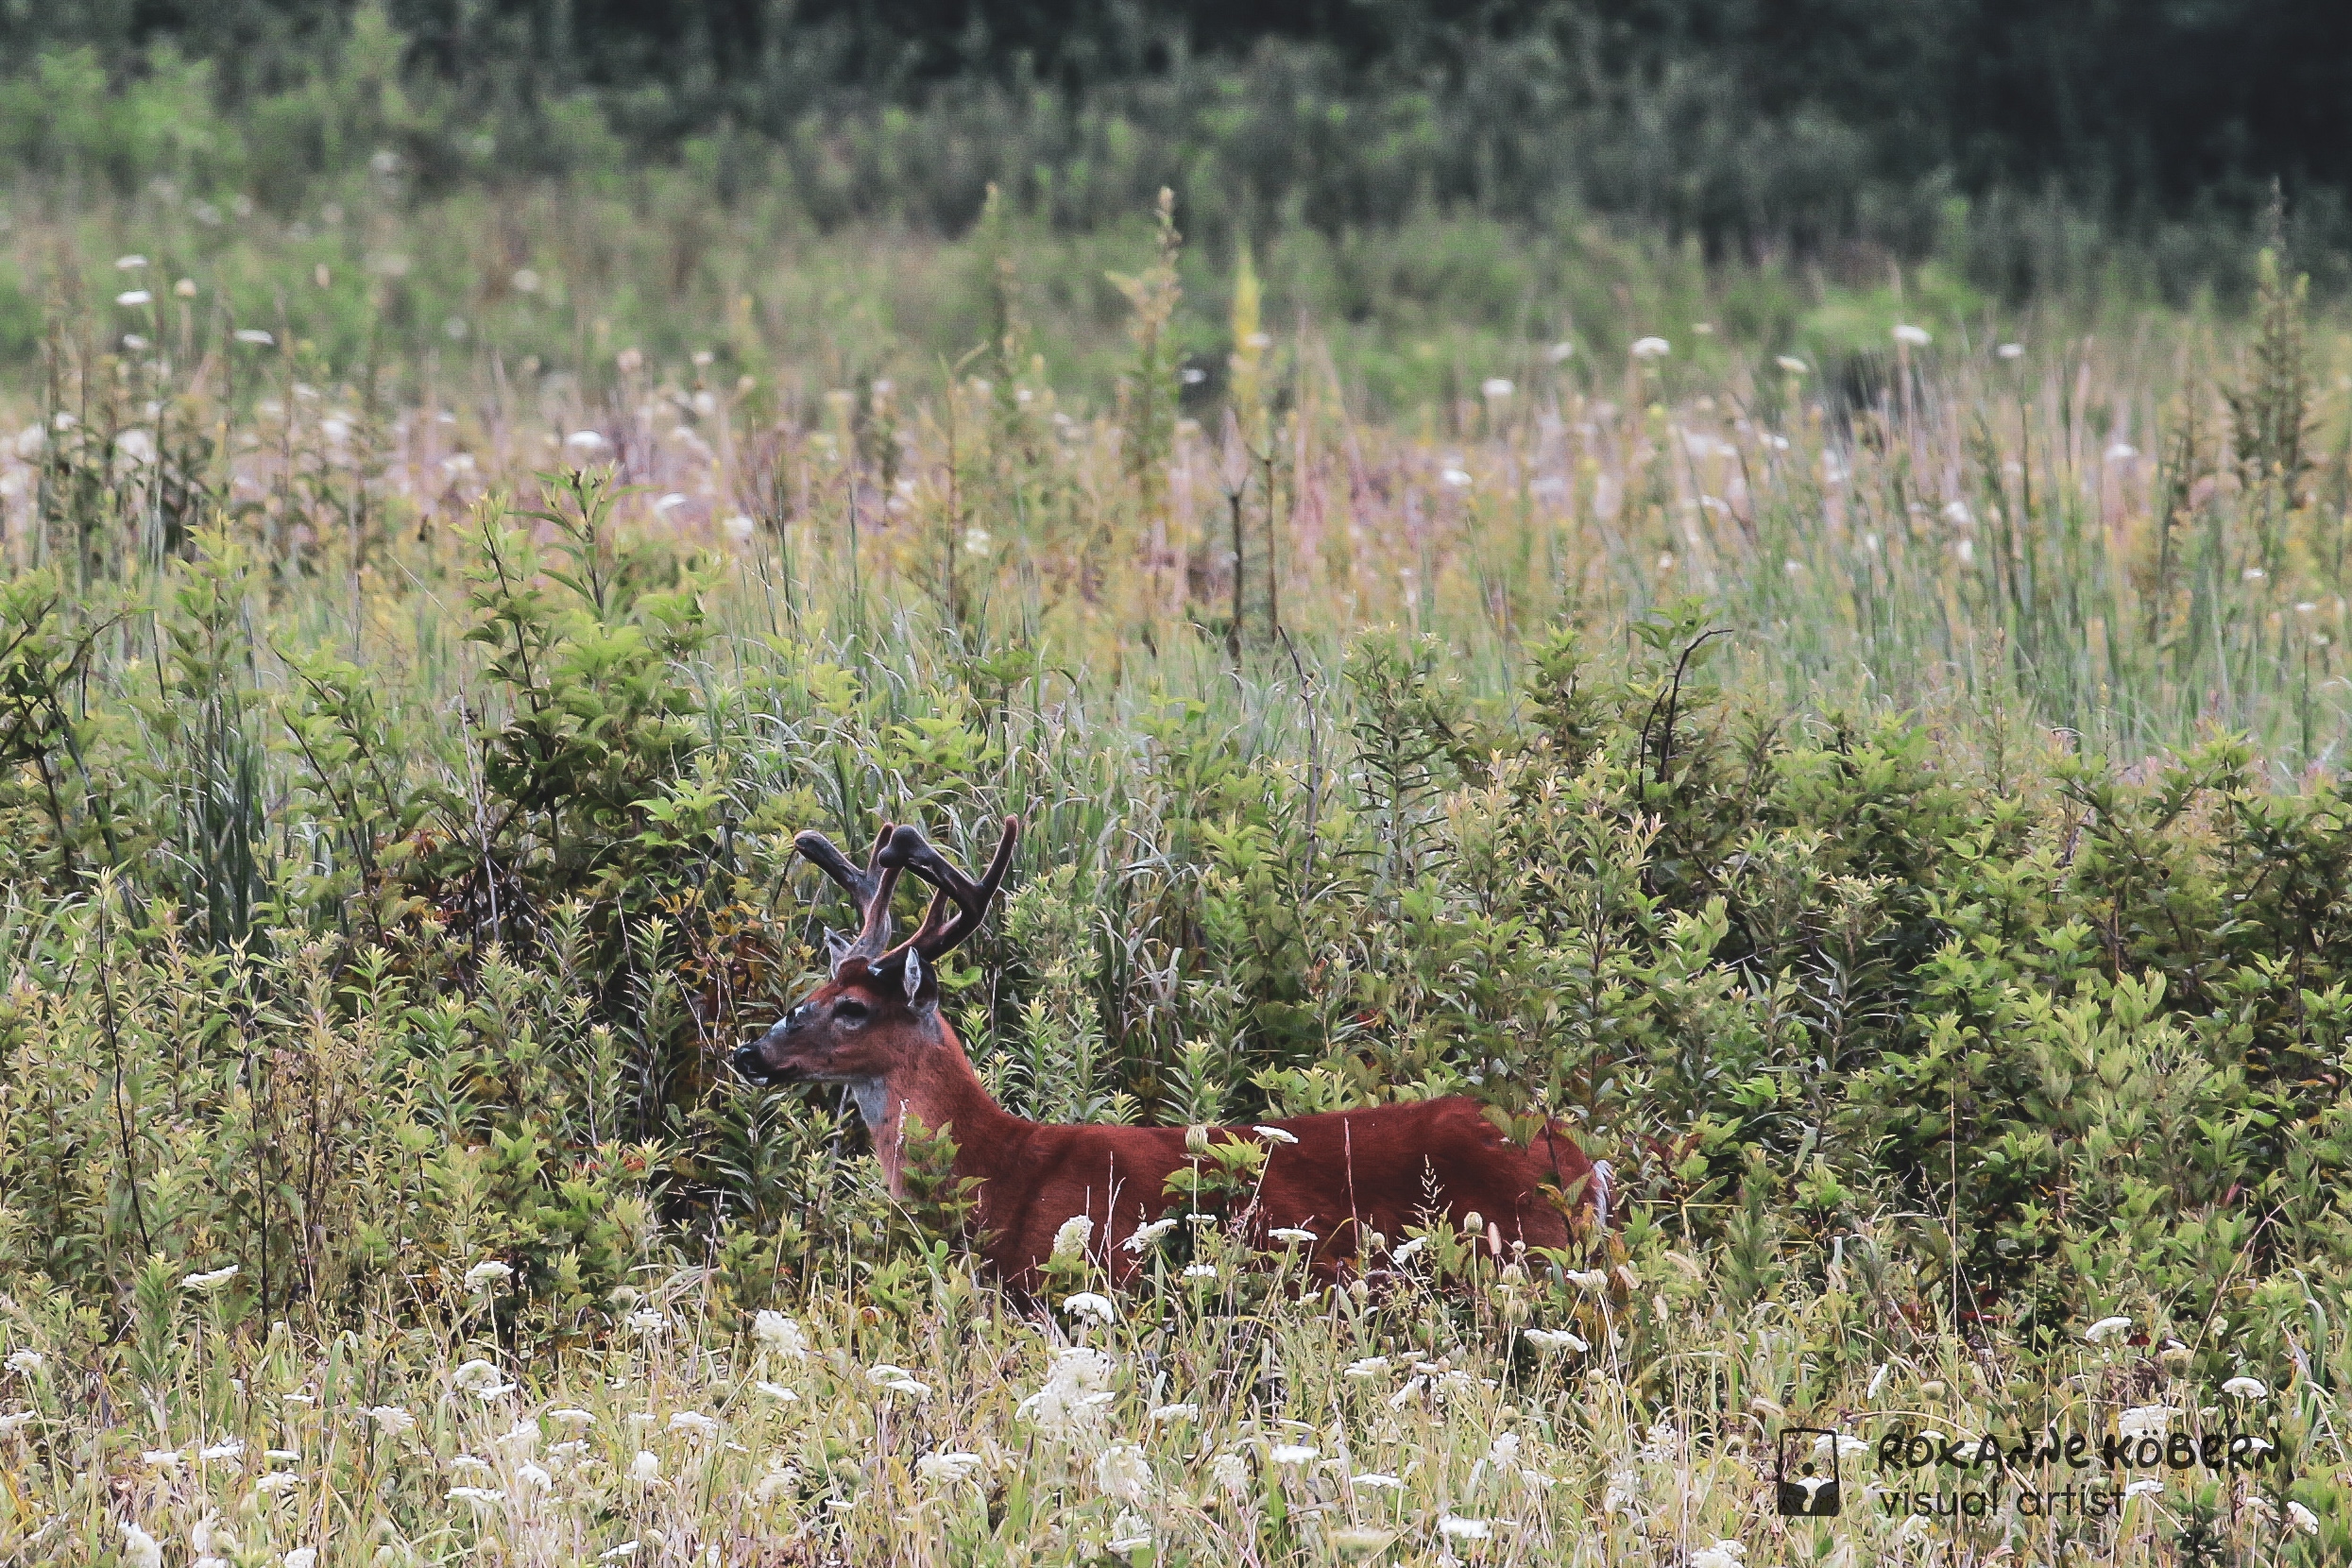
[877, 1027]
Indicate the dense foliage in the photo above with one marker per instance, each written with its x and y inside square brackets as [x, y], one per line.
[2045, 1034]
[1753, 127]
[1894, 816]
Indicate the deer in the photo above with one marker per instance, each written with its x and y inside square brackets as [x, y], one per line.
[876, 1025]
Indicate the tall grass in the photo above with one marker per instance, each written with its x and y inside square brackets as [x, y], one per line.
[403, 766]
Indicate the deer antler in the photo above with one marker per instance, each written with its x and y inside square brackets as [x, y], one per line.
[956, 910]
[871, 886]
[941, 928]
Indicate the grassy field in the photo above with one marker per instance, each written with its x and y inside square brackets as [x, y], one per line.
[1869, 762]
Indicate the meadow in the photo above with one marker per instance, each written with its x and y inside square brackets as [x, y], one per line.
[1868, 757]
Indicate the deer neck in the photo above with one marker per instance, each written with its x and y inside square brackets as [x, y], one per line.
[937, 1087]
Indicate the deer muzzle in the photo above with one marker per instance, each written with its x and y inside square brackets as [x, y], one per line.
[754, 1066]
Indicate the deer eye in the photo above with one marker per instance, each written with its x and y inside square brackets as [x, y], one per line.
[847, 1012]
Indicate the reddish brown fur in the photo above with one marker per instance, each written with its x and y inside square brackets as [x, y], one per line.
[1379, 1169]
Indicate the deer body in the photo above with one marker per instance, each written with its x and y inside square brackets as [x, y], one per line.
[877, 1027]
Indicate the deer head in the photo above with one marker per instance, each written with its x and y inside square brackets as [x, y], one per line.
[882, 1003]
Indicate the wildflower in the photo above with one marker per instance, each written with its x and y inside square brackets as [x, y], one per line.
[946, 1470]
[585, 445]
[160, 1458]
[532, 1477]
[1291, 1453]
[648, 1322]
[621, 1553]
[1723, 1553]
[780, 1478]
[2247, 1387]
[693, 1424]
[1377, 1481]
[481, 1497]
[1076, 1389]
[1651, 347]
[1660, 1444]
[669, 503]
[16, 1420]
[647, 1468]
[1088, 1307]
[739, 527]
[1911, 336]
[2145, 1421]
[779, 1336]
[1370, 1365]
[1793, 365]
[1405, 1254]
[1587, 1279]
[564, 1453]
[2011, 351]
[2122, 452]
[520, 1442]
[1145, 1235]
[480, 1378]
[205, 1284]
[777, 1392]
[132, 298]
[1404, 1396]
[1495, 388]
[486, 1273]
[1560, 352]
[468, 1464]
[1070, 1242]
[1230, 1475]
[25, 1362]
[1293, 1235]
[1454, 479]
[1276, 1135]
[209, 1537]
[1957, 514]
[392, 1420]
[232, 1449]
[1175, 1412]
[1455, 1528]
[1131, 1533]
[256, 336]
[129, 263]
[908, 1387]
[1550, 1338]
[2305, 1519]
[2151, 1486]
[140, 1549]
[1199, 1270]
[525, 280]
[277, 1481]
[2254, 574]
[1124, 1473]
[2105, 1329]
[978, 541]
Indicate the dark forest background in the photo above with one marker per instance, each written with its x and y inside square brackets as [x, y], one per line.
[1749, 127]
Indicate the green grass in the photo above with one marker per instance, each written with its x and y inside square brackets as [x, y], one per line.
[399, 802]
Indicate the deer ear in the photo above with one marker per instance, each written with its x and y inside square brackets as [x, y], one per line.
[836, 948]
[914, 976]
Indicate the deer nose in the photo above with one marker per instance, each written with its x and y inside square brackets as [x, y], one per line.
[749, 1063]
